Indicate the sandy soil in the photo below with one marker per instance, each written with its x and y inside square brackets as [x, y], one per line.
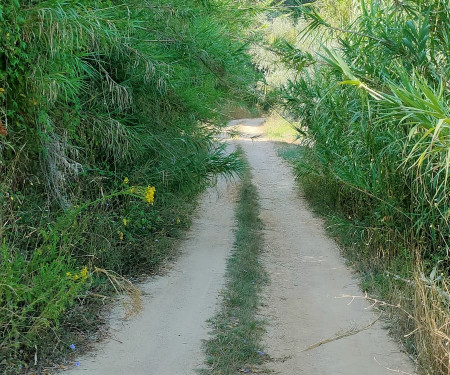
[166, 339]
[301, 304]
[308, 275]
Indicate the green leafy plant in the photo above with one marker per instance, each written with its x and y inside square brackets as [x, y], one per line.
[93, 93]
[374, 114]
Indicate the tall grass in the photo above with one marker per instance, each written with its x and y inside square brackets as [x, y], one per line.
[375, 101]
[96, 98]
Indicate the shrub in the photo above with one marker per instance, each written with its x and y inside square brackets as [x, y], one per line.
[93, 94]
[375, 106]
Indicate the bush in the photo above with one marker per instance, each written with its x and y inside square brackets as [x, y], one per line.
[374, 104]
[98, 97]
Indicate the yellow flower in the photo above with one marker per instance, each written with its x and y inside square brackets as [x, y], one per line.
[2, 90]
[132, 190]
[84, 273]
[124, 221]
[150, 194]
[126, 180]
[11, 197]
[178, 220]
[120, 233]
[68, 274]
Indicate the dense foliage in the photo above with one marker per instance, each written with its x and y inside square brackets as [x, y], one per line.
[378, 114]
[101, 102]
[373, 103]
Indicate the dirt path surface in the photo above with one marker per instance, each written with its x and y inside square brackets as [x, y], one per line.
[301, 304]
[166, 339]
[307, 274]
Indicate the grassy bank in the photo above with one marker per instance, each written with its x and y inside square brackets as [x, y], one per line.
[278, 129]
[236, 343]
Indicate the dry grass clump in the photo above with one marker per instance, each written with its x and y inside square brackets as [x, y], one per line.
[432, 333]
[131, 296]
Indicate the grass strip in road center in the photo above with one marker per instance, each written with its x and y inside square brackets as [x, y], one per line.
[236, 343]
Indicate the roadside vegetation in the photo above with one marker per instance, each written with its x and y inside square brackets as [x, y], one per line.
[369, 83]
[237, 331]
[108, 119]
[109, 116]
[279, 129]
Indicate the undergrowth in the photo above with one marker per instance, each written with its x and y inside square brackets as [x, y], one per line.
[368, 82]
[237, 331]
[365, 248]
[109, 116]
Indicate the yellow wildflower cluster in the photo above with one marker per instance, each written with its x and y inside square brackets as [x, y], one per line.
[120, 233]
[125, 222]
[150, 194]
[126, 181]
[147, 193]
[81, 276]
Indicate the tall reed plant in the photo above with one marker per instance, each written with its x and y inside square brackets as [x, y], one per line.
[373, 101]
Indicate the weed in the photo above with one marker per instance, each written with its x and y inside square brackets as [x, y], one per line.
[236, 342]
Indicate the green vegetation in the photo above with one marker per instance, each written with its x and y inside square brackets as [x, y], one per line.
[109, 112]
[101, 102]
[369, 84]
[236, 345]
[277, 128]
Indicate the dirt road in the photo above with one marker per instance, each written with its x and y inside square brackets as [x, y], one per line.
[307, 277]
[301, 303]
[166, 338]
